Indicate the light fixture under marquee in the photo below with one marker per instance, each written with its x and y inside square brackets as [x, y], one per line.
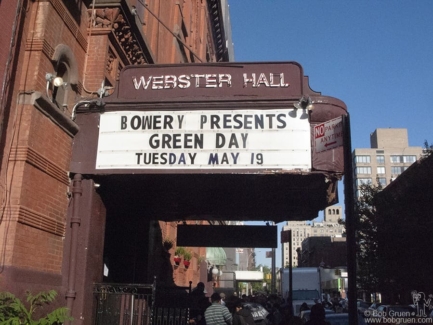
[304, 103]
[55, 81]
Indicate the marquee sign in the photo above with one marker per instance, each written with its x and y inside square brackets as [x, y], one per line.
[211, 139]
[220, 117]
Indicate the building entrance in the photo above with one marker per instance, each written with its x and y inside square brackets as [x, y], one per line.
[181, 143]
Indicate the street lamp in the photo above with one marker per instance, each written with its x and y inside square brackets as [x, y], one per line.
[251, 260]
[350, 220]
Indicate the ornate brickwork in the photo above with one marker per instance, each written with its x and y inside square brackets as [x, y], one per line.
[113, 19]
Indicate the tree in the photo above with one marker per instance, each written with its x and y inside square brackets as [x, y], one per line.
[258, 286]
[428, 150]
[367, 241]
[13, 311]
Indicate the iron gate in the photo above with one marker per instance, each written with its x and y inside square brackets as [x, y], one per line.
[141, 304]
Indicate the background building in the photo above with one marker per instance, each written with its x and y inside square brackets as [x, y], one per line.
[329, 252]
[247, 259]
[405, 240]
[302, 230]
[388, 156]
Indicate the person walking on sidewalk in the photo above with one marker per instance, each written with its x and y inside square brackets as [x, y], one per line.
[217, 314]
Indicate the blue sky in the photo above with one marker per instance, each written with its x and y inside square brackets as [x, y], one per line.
[374, 55]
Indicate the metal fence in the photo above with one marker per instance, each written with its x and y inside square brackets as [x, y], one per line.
[141, 304]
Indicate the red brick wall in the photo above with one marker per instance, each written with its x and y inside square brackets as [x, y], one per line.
[37, 153]
[96, 61]
[8, 9]
[193, 14]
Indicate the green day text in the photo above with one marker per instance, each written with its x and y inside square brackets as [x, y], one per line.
[201, 139]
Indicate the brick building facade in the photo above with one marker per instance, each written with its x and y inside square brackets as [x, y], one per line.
[86, 43]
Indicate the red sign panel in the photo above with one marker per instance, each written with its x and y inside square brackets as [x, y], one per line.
[328, 135]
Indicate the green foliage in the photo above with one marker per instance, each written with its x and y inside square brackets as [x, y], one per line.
[258, 286]
[14, 312]
[187, 255]
[179, 251]
[428, 150]
[367, 238]
[200, 259]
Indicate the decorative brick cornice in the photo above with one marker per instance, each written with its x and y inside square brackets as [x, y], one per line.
[35, 159]
[26, 216]
[114, 19]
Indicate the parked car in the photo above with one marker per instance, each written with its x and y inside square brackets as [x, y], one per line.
[342, 319]
[362, 306]
[374, 305]
[305, 314]
[397, 310]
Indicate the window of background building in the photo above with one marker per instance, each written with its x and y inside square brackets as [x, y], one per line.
[362, 159]
[397, 170]
[380, 159]
[381, 170]
[395, 159]
[363, 181]
[363, 170]
[382, 181]
[409, 159]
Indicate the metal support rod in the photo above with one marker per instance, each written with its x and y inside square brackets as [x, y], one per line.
[349, 201]
[273, 278]
[290, 272]
[75, 222]
[273, 269]
[171, 32]
[131, 320]
[282, 256]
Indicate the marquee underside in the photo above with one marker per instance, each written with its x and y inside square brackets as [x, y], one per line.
[219, 196]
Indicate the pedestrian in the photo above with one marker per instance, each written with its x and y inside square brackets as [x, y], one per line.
[317, 315]
[198, 300]
[223, 298]
[304, 306]
[217, 314]
[242, 316]
[199, 291]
